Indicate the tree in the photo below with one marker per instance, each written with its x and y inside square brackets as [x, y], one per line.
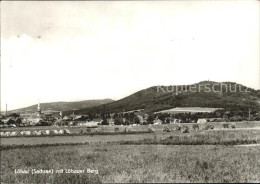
[136, 120]
[10, 121]
[126, 116]
[102, 115]
[150, 119]
[18, 121]
[118, 121]
[115, 115]
[104, 122]
[108, 115]
[14, 115]
[131, 116]
[127, 122]
[161, 117]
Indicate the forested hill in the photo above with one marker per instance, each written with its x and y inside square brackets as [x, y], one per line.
[65, 106]
[232, 97]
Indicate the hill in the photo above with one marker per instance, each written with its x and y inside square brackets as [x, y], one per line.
[65, 106]
[227, 95]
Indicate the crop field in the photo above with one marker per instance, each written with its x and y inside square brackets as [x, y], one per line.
[215, 136]
[72, 139]
[194, 137]
[75, 129]
[198, 156]
[134, 163]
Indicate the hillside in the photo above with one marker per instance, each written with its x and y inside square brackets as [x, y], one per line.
[153, 100]
[65, 106]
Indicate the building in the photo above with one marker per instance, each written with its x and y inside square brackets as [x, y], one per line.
[39, 110]
[191, 110]
[202, 120]
[34, 118]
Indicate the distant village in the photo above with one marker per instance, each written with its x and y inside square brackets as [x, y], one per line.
[132, 118]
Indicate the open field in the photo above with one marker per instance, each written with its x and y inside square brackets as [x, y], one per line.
[198, 156]
[200, 137]
[72, 139]
[134, 163]
[141, 128]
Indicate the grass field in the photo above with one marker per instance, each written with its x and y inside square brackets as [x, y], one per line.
[198, 156]
[223, 137]
[134, 163]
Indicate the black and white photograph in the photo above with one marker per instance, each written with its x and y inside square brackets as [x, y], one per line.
[130, 91]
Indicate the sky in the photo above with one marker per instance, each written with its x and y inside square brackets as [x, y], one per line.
[71, 51]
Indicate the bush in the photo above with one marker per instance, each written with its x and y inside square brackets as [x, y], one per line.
[195, 127]
[136, 120]
[178, 128]
[127, 122]
[232, 125]
[116, 129]
[167, 121]
[104, 122]
[225, 125]
[150, 129]
[208, 127]
[166, 129]
[118, 121]
[185, 129]
[150, 119]
[81, 131]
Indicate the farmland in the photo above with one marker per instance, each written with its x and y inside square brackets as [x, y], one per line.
[234, 137]
[197, 156]
[134, 163]
[218, 125]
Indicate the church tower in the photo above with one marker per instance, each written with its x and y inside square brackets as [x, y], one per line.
[39, 110]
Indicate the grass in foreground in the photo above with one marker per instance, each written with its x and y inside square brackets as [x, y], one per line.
[134, 163]
[214, 137]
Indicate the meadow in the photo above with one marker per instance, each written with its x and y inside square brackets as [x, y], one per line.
[106, 128]
[134, 163]
[194, 137]
[204, 156]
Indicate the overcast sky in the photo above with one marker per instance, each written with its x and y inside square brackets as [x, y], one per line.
[67, 51]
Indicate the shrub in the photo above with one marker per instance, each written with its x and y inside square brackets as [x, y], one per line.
[81, 131]
[150, 119]
[166, 129]
[136, 120]
[118, 121]
[178, 128]
[116, 129]
[232, 125]
[225, 125]
[185, 129]
[104, 122]
[195, 127]
[208, 127]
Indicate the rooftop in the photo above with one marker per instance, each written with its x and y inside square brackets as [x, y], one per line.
[188, 110]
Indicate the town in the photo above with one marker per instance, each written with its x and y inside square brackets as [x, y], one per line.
[128, 118]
